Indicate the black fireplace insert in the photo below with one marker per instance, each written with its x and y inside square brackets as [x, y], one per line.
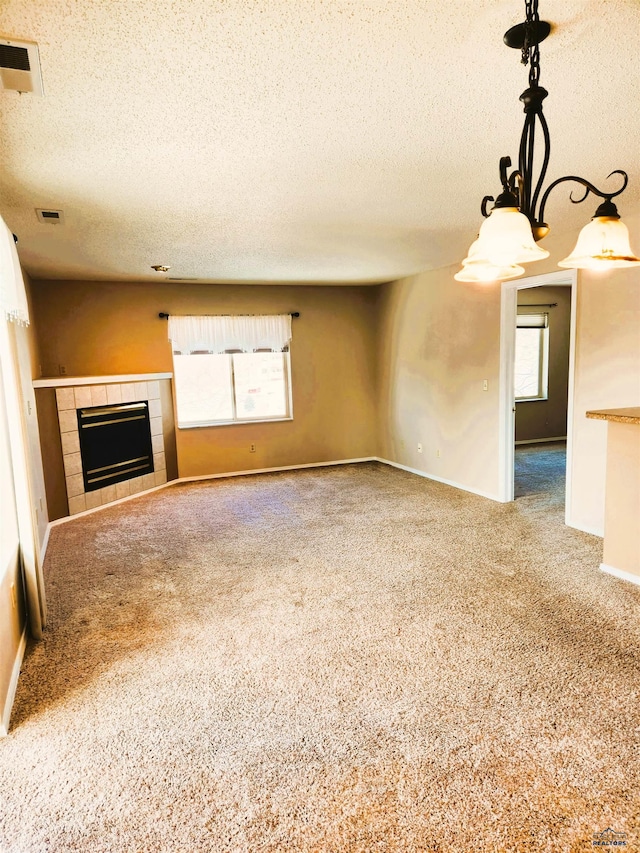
[115, 443]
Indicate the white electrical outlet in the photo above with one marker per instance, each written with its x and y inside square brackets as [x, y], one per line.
[485, 384]
[419, 448]
[438, 453]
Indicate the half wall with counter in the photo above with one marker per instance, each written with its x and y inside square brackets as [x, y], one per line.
[621, 553]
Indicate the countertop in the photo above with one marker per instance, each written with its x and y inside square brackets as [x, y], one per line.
[621, 416]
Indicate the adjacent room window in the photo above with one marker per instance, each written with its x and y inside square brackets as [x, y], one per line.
[532, 357]
[231, 369]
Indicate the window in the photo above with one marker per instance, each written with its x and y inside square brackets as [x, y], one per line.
[231, 369]
[532, 357]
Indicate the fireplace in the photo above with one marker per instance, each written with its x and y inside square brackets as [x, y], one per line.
[115, 443]
[109, 392]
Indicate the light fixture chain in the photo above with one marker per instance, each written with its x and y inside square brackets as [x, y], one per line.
[530, 48]
[534, 70]
[526, 47]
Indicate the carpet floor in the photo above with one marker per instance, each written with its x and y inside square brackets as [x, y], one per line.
[540, 469]
[337, 659]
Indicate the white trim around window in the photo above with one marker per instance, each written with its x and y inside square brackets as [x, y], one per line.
[216, 389]
[531, 369]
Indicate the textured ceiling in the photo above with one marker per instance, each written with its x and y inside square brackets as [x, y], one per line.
[297, 140]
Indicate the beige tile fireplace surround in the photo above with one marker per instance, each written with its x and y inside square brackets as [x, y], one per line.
[82, 392]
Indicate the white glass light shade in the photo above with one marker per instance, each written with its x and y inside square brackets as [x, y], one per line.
[603, 244]
[505, 239]
[475, 268]
[485, 272]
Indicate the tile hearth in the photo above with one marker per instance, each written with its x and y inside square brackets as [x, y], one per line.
[72, 397]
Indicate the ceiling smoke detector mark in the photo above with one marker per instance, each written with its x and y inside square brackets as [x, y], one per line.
[20, 66]
[51, 217]
[160, 267]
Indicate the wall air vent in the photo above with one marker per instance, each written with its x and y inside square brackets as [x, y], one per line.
[52, 217]
[20, 66]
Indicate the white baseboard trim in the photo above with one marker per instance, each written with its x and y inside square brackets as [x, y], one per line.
[45, 543]
[180, 480]
[439, 479]
[542, 440]
[13, 685]
[272, 470]
[620, 573]
[593, 531]
[66, 518]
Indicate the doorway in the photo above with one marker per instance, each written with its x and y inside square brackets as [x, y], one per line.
[536, 422]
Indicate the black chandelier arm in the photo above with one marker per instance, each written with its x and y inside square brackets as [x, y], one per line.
[505, 162]
[509, 197]
[483, 206]
[589, 188]
[544, 166]
[525, 163]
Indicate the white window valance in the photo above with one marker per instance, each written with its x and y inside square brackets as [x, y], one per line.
[13, 297]
[218, 334]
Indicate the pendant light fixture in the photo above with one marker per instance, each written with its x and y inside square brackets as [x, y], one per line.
[515, 223]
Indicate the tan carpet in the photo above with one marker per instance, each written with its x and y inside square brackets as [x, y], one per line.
[338, 659]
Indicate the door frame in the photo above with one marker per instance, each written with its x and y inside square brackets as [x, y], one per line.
[506, 432]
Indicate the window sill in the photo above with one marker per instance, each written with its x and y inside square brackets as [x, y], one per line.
[208, 424]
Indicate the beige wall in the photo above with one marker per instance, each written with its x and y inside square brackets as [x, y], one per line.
[95, 328]
[537, 419]
[438, 342]
[607, 375]
[12, 611]
[439, 339]
[22, 347]
[12, 625]
[622, 504]
[51, 448]
[426, 343]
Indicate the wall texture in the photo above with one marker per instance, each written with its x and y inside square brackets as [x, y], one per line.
[94, 328]
[407, 359]
[438, 342]
[439, 339]
[607, 375]
[22, 356]
[12, 611]
[539, 419]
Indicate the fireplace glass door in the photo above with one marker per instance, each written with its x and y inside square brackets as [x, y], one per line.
[115, 443]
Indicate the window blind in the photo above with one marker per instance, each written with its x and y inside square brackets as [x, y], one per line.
[532, 321]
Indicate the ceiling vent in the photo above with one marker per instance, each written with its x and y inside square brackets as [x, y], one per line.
[20, 66]
[52, 217]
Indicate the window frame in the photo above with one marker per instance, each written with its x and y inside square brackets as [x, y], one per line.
[543, 360]
[286, 354]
